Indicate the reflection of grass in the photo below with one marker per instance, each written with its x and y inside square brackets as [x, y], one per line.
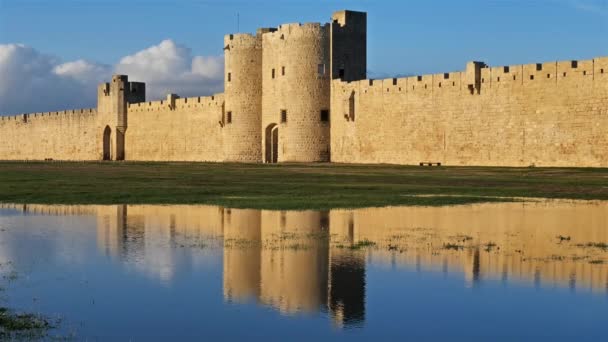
[22, 326]
[358, 245]
[452, 246]
[363, 244]
[318, 235]
[197, 245]
[489, 246]
[600, 245]
[288, 186]
[463, 238]
[596, 262]
[296, 247]
[241, 243]
[12, 275]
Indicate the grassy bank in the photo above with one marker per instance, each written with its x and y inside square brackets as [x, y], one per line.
[24, 327]
[288, 186]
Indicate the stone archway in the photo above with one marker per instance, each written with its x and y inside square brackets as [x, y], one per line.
[107, 143]
[272, 143]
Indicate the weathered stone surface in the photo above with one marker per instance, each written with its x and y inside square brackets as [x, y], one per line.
[552, 114]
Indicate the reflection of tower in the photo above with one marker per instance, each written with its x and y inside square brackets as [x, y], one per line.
[294, 260]
[283, 259]
[347, 275]
[241, 254]
[472, 268]
[347, 288]
[138, 239]
[134, 234]
[111, 222]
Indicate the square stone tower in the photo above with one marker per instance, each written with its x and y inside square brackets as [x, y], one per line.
[349, 45]
[112, 101]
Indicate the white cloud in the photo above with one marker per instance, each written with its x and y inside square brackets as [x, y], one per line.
[83, 71]
[170, 67]
[31, 81]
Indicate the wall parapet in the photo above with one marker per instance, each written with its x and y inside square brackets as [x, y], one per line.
[179, 103]
[243, 39]
[30, 116]
[296, 30]
[513, 75]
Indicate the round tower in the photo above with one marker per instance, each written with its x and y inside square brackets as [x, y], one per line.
[241, 120]
[296, 93]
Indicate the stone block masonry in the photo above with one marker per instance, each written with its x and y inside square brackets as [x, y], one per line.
[298, 93]
[551, 114]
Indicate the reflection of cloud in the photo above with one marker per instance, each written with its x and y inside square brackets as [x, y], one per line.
[60, 241]
[591, 6]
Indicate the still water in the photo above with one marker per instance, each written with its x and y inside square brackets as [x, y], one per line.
[536, 270]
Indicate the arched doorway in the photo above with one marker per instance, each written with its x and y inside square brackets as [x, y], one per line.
[272, 143]
[107, 143]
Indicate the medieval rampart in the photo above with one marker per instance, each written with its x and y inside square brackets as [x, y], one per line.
[176, 129]
[551, 114]
[61, 135]
[296, 93]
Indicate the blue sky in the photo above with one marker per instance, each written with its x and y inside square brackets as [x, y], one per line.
[404, 37]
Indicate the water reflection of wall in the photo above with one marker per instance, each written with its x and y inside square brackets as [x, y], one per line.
[347, 273]
[499, 241]
[524, 235]
[242, 262]
[295, 260]
[146, 236]
[282, 259]
[312, 261]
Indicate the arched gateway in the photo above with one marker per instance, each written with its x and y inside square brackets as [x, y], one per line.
[107, 143]
[272, 143]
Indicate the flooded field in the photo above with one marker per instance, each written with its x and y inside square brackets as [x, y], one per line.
[513, 270]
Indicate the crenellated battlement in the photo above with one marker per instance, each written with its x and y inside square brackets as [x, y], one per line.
[524, 75]
[549, 114]
[246, 40]
[27, 117]
[296, 30]
[178, 104]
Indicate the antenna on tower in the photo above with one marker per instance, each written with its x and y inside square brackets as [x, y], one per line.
[238, 28]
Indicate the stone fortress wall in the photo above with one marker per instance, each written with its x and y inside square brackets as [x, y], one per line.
[176, 129]
[299, 93]
[38, 136]
[550, 114]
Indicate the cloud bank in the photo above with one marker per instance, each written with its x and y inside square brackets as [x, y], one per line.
[31, 81]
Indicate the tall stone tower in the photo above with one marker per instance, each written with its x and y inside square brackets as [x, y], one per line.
[112, 101]
[277, 86]
[349, 45]
[296, 86]
[298, 63]
[243, 97]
